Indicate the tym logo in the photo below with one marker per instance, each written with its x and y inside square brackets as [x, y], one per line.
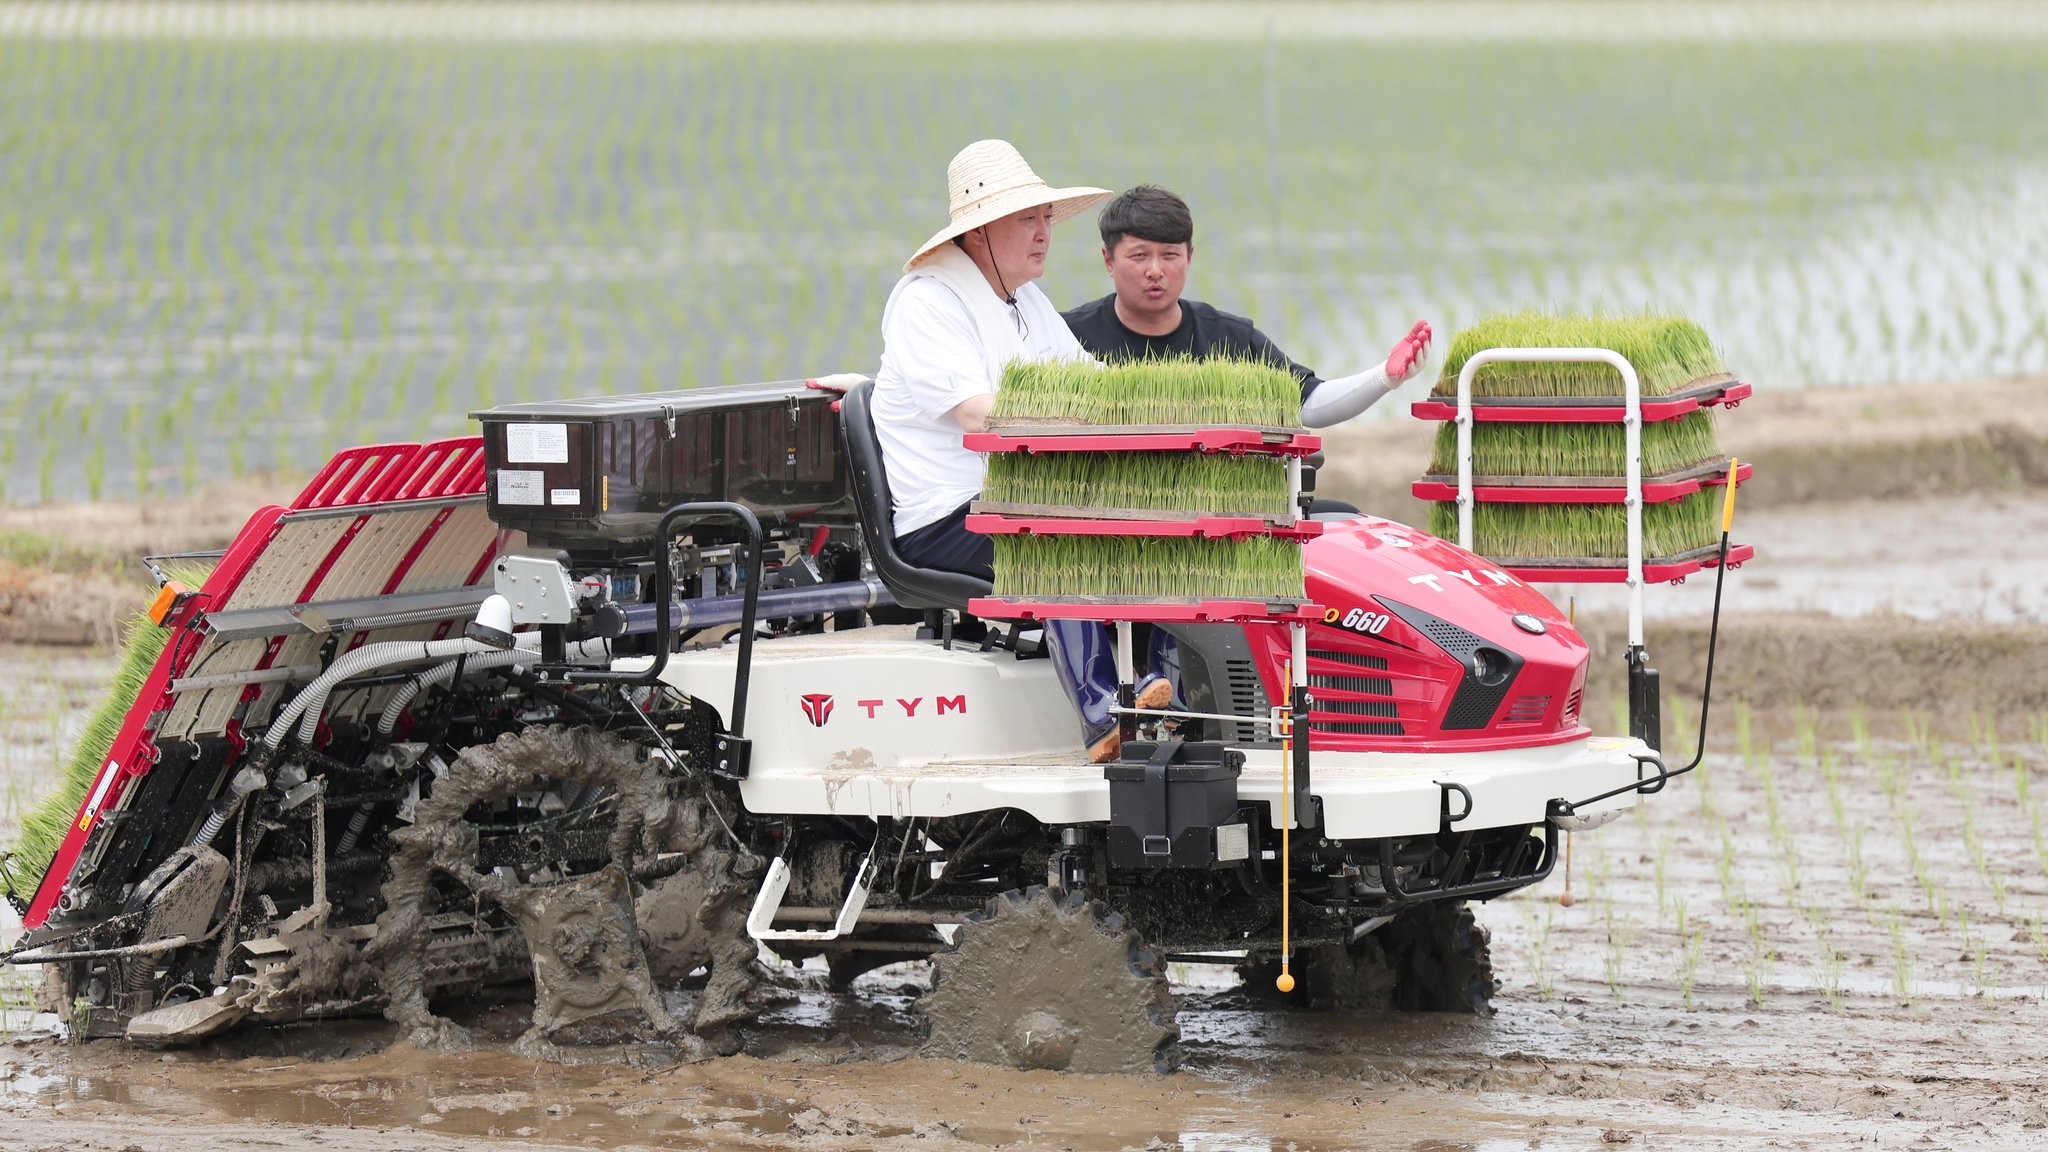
[818, 707]
[1497, 578]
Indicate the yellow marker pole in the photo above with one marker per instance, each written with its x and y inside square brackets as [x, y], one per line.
[1728, 500]
[1286, 981]
[1566, 898]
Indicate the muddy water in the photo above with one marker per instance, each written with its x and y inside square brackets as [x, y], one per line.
[1835, 934]
[1976, 558]
[1831, 937]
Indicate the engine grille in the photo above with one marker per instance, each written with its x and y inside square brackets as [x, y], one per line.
[1388, 722]
[1526, 710]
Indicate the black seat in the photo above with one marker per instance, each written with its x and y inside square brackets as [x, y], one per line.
[913, 587]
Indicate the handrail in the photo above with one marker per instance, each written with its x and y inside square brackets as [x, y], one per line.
[1632, 424]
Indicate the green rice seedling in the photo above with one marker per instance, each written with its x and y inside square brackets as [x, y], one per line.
[1902, 960]
[1145, 567]
[43, 829]
[1147, 481]
[1509, 533]
[1832, 777]
[1619, 937]
[1692, 946]
[1591, 450]
[1831, 977]
[1667, 352]
[1180, 391]
[1859, 872]
[1537, 946]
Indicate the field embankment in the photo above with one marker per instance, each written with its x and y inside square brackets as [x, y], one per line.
[1810, 448]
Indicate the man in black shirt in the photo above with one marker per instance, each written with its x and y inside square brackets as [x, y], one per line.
[1148, 240]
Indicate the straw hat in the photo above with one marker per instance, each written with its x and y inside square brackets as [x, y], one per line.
[989, 180]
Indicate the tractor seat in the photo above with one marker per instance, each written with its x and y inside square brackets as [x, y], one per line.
[913, 587]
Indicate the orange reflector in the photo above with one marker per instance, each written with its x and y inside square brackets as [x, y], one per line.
[166, 599]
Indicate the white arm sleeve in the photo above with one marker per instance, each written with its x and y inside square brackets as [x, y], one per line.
[1335, 401]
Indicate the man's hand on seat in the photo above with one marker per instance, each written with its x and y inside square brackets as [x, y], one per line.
[838, 382]
[1409, 354]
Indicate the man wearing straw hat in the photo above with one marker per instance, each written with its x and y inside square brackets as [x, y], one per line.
[966, 307]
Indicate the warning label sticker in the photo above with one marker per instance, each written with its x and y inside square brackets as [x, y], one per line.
[516, 487]
[537, 443]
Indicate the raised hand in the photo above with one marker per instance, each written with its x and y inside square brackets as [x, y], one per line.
[1409, 353]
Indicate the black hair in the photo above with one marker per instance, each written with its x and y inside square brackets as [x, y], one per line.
[1148, 212]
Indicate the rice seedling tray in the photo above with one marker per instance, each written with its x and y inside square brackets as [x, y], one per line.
[1708, 392]
[1661, 489]
[1029, 436]
[995, 518]
[1146, 610]
[1663, 569]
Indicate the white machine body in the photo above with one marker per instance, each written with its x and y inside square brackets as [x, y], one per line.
[874, 723]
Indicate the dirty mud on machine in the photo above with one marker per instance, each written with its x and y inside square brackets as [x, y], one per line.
[467, 714]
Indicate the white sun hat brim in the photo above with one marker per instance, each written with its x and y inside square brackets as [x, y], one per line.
[989, 180]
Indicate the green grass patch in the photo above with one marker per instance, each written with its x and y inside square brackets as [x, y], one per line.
[1668, 353]
[1506, 449]
[49, 553]
[1583, 531]
[1177, 391]
[1147, 567]
[1163, 481]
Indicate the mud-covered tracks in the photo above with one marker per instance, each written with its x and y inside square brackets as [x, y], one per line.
[582, 930]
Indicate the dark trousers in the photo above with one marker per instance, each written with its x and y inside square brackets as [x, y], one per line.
[947, 546]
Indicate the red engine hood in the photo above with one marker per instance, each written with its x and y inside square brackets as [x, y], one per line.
[1382, 672]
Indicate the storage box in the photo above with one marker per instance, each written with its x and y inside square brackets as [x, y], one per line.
[594, 475]
[1173, 804]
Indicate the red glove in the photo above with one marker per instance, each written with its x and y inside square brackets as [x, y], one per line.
[1409, 353]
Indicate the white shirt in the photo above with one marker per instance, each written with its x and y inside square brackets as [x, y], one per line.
[938, 349]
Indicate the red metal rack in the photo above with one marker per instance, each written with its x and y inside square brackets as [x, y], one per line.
[1663, 570]
[1587, 409]
[1582, 489]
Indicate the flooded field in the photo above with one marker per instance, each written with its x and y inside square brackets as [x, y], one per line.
[232, 252]
[1827, 936]
[1835, 932]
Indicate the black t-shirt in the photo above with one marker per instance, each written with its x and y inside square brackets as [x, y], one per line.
[1204, 332]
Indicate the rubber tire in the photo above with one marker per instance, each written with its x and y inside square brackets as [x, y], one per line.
[1441, 960]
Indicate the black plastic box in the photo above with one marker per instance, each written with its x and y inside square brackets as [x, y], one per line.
[594, 475]
[1174, 804]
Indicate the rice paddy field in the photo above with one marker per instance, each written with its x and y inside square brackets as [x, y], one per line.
[235, 237]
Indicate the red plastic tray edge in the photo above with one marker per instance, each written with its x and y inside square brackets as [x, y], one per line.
[1212, 527]
[1204, 611]
[1654, 411]
[1738, 554]
[1605, 494]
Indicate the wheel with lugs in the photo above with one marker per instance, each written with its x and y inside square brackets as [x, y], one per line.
[1440, 957]
[1045, 980]
[1327, 977]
